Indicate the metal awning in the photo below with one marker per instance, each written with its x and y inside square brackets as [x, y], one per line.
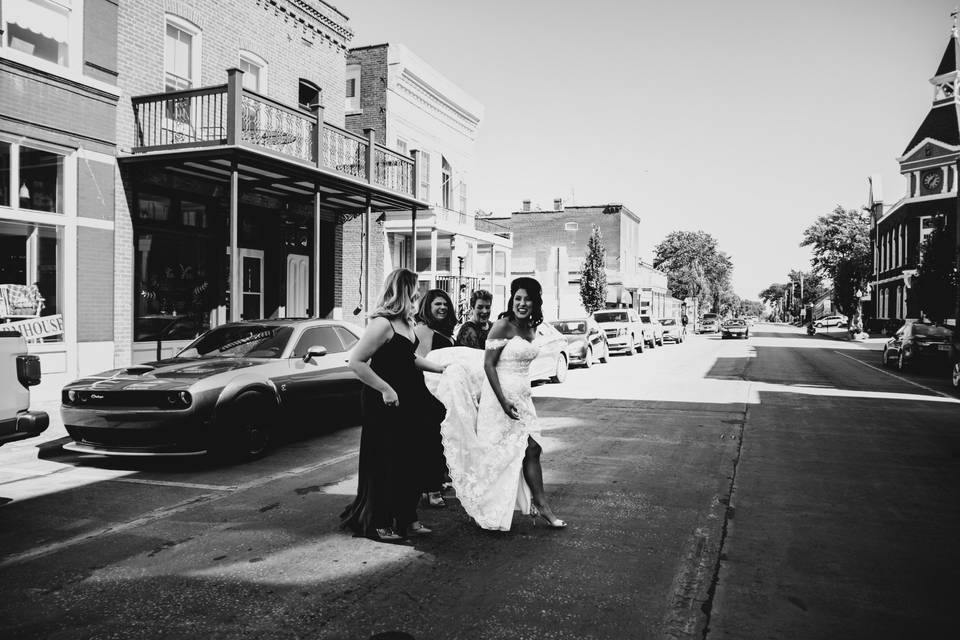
[262, 171]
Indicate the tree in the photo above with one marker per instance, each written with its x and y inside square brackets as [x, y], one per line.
[935, 284]
[695, 267]
[842, 254]
[593, 274]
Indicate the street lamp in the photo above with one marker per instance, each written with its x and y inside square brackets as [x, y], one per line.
[459, 249]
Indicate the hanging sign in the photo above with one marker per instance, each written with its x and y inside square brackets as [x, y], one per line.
[42, 327]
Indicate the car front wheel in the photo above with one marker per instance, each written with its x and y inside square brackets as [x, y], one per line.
[901, 363]
[606, 354]
[588, 358]
[246, 432]
[955, 375]
[561, 371]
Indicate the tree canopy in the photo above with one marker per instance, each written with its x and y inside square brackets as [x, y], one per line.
[935, 284]
[695, 267]
[842, 253]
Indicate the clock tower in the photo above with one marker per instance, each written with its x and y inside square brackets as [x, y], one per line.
[929, 165]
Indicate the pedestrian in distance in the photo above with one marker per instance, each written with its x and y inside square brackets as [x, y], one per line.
[491, 445]
[473, 332]
[394, 402]
[435, 322]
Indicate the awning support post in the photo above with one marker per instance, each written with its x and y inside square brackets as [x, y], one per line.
[235, 297]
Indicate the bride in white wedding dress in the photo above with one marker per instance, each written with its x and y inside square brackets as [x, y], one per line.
[490, 430]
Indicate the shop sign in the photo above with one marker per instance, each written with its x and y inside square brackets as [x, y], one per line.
[42, 327]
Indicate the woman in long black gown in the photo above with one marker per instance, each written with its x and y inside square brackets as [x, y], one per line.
[434, 325]
[395, 405]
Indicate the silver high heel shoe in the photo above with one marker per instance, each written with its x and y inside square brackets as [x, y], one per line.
[556, 523]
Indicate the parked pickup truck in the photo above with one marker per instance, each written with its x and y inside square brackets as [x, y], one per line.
[18, 372]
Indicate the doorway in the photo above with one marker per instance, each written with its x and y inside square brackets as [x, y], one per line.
[298, 286]
[251, 283]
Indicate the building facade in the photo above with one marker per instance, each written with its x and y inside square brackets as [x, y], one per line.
[551, 246]
[58, 104]
[243, 195]
[412, 107]
[929, 165]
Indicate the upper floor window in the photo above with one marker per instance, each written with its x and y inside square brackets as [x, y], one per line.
[254, 72]
[353, 88]
[446, 186]
[36, 176]
[424, 172]
[309, 94]
[463, 197]
[571, 226]
[46, 29]
[181, 67]
[402, 146]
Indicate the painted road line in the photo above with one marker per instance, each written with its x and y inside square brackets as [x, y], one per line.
[893, 375]
[165, 512]
[170, 483]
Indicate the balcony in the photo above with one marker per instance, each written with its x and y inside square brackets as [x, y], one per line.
[229, 115]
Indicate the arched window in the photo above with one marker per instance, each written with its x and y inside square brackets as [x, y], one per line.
[254, 71]
[181, 69]
[309, 94]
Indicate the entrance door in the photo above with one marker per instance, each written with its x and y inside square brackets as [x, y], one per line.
[298, 286]
[251, 283]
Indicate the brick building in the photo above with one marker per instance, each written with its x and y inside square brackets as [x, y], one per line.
[58, 103]
[929, 165]
[243, 194]
[414, 108]
[551, 245]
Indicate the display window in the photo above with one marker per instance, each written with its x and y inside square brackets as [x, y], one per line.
[176, 293]
[35, 175]
[31, 280]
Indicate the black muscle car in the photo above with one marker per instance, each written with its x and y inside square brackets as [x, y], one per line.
[228, 392]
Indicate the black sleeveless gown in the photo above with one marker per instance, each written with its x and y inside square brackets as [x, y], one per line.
[391, 457]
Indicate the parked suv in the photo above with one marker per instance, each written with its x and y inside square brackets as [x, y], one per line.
[831, 321]
[652, 331]
[955, 359]
[18, 372]
[623, 328]
[917, 342]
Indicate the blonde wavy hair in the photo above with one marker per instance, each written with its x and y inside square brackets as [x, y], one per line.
[396, 301]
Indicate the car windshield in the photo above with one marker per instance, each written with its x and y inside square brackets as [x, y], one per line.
[709, 316]
[570, 327]
[249, 340]
[931, 330]
[611, 316]
[734, 321]
[645, 319]
[668, 322]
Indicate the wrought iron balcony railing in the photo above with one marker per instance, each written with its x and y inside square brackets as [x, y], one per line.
[229, 114]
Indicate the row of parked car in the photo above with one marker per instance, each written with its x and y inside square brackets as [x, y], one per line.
[922, 343]
[229, 390]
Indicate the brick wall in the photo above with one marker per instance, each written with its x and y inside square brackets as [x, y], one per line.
[373, 91]
[94, 285]
[296, 42]
[534, 233]
[95, 189]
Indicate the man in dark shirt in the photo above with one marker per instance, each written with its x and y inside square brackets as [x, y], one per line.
[474, 331]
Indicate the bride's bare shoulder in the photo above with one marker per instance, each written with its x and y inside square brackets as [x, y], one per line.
[502, 329]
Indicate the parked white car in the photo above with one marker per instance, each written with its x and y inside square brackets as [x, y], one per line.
[831, 321]
[554, 359]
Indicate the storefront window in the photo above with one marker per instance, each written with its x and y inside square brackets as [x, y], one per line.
[5, 175]
[30, 289]
[41, 180]
[39, 28]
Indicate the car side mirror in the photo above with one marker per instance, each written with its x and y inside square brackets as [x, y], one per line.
[315, 351]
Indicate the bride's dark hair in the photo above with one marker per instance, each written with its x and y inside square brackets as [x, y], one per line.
[535, 291]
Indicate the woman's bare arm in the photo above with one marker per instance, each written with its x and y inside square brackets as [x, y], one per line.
[501, 330]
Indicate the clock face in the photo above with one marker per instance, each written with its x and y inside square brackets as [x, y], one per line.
[931, 180]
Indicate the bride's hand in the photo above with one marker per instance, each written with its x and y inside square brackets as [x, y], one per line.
[511, 410]
[390, 398]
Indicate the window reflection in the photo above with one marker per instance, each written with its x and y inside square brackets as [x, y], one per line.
[41, 180]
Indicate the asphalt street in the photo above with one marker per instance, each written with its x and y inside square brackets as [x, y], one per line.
[784, 486]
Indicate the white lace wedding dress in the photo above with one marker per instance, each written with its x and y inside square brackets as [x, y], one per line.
[483, 446]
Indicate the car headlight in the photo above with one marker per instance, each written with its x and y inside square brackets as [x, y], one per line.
[69, 396]
[622, 331]
[179, 399]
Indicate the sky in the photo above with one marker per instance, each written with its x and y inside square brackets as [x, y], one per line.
[747, 119]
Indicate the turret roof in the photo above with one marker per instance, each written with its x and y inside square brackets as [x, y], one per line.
[942, 123]
[950, 61]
